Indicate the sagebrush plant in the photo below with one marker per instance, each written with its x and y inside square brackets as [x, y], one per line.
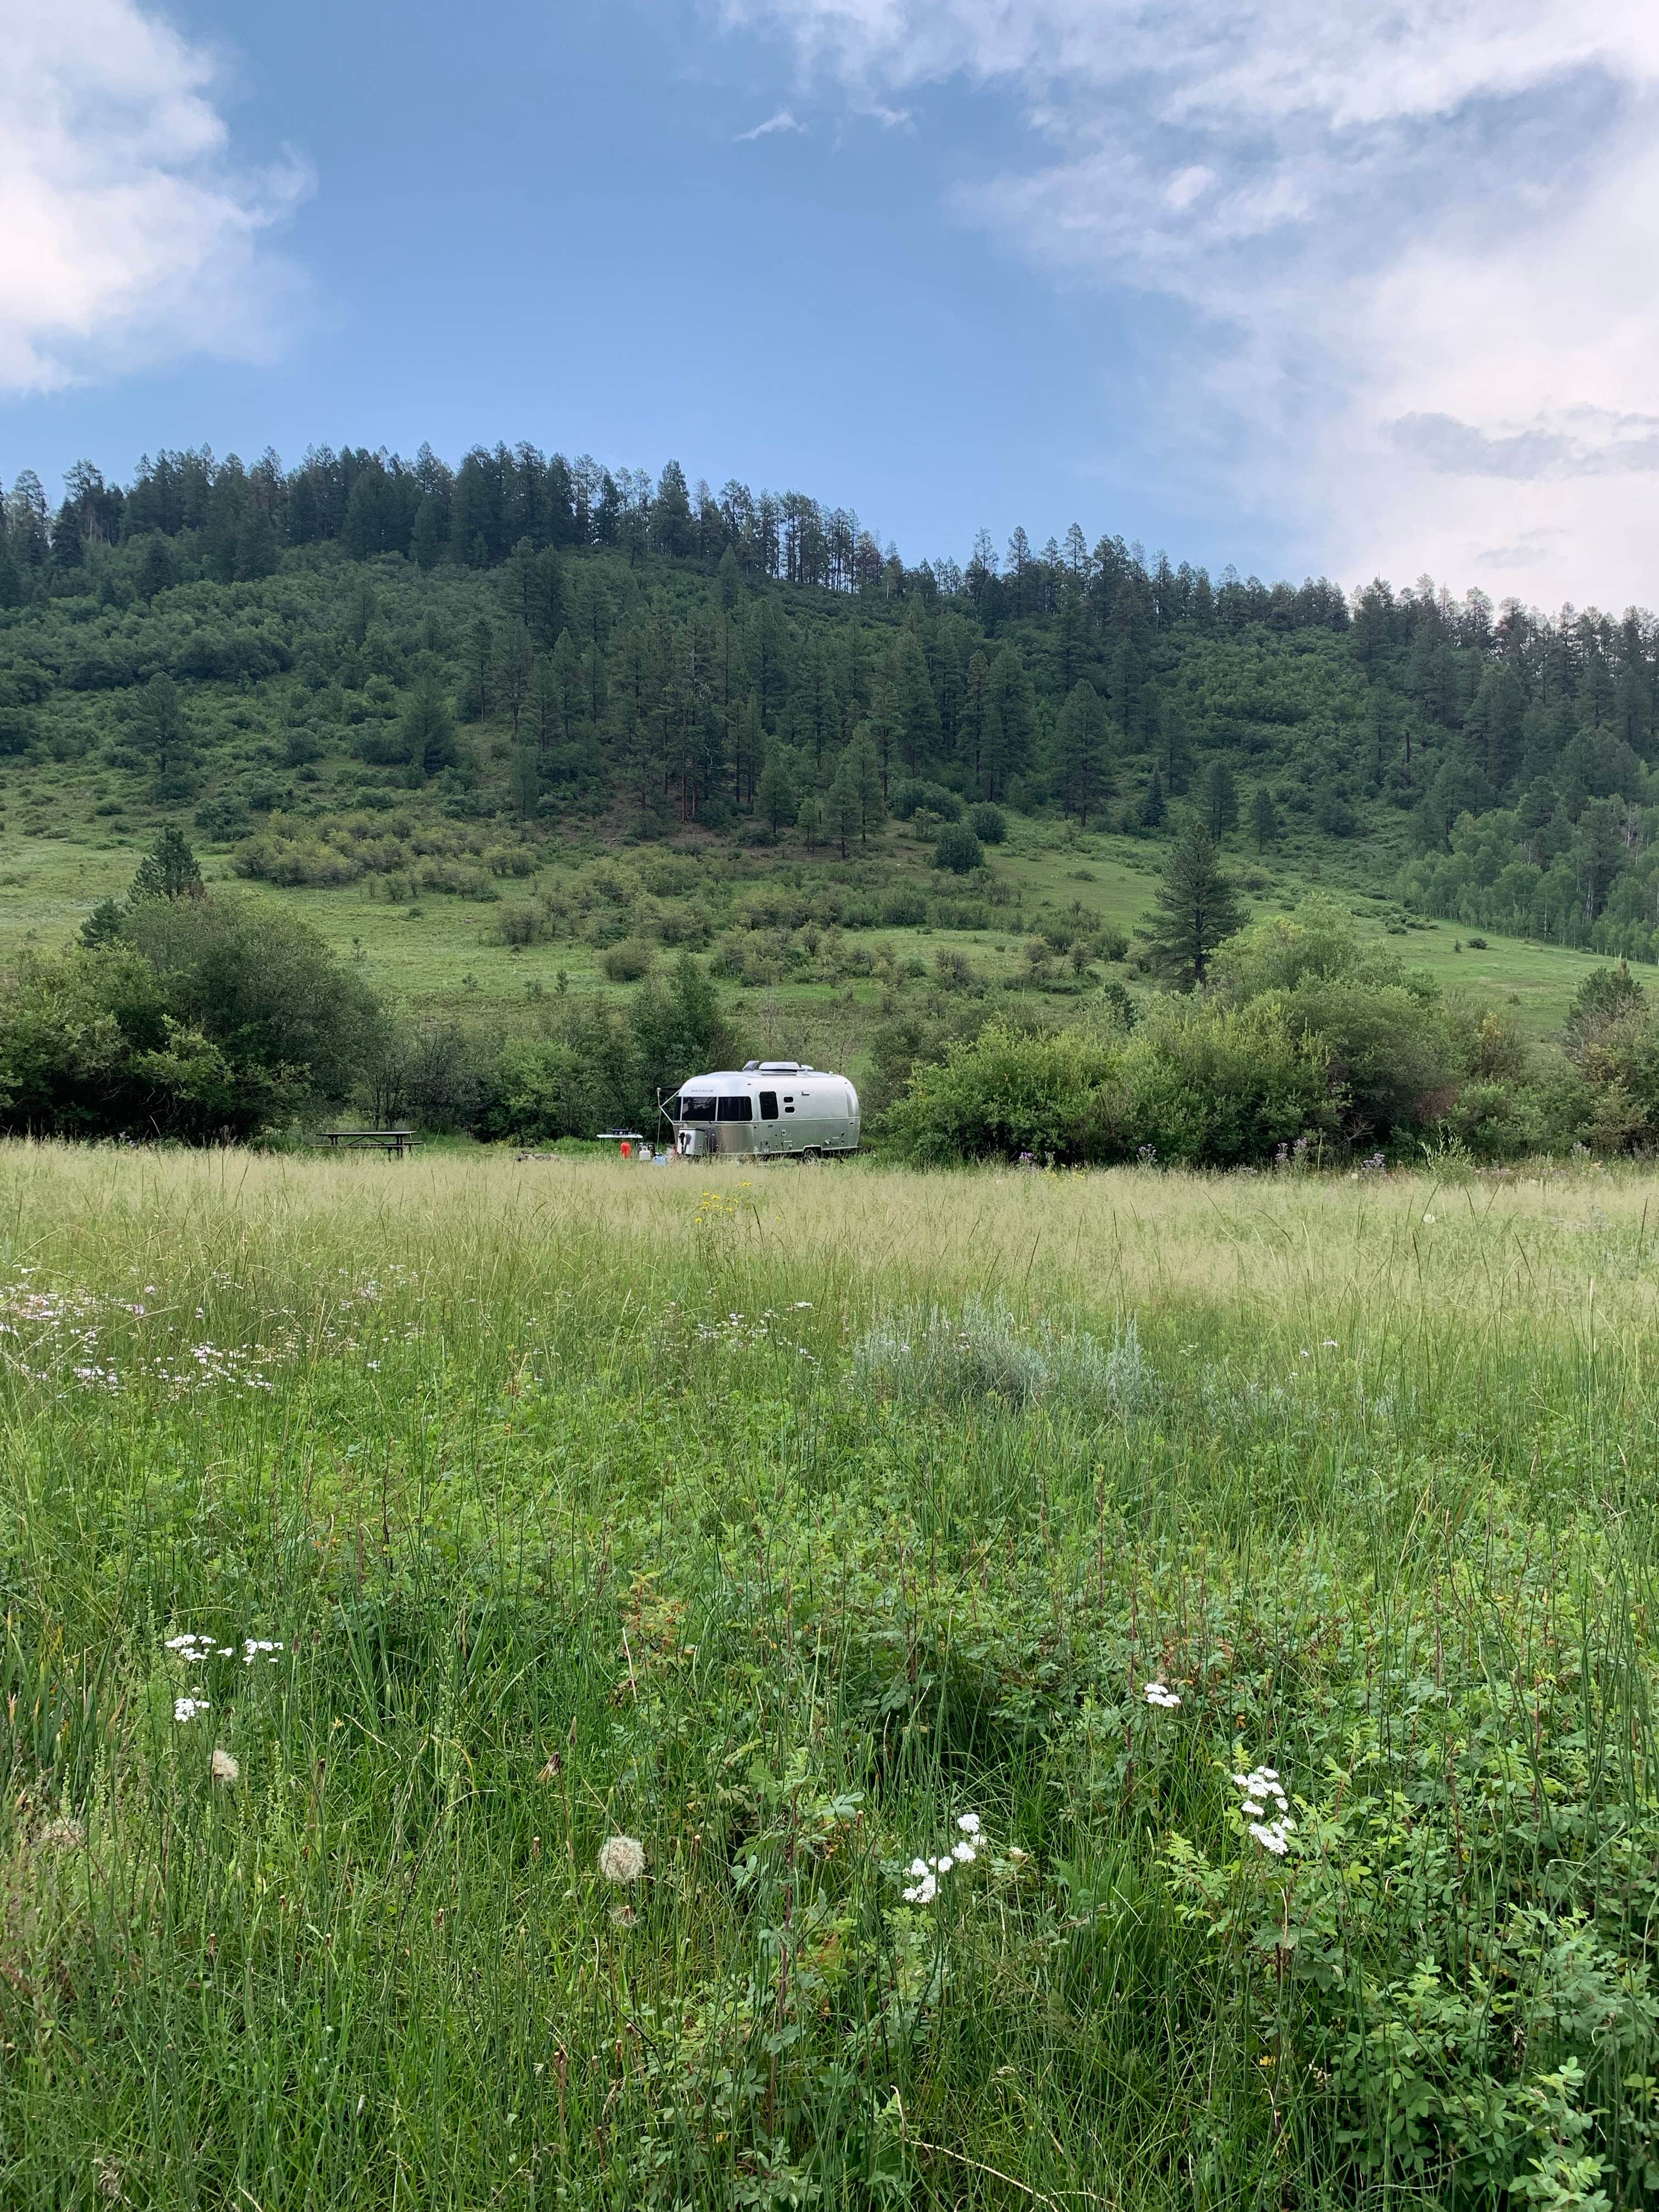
[1237, 1603]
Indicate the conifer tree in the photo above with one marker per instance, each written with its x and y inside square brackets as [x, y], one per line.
[103, 925]
[1082, 752]
[429, 727]
[1196, 907]
[425, 543]
[842, 814]
[862, 766]
[169, 870]
[158, 720]
[1220, 801]
[1154, 807]
[1264, 819]
[775, 794]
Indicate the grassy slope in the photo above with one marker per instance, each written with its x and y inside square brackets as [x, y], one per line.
[47, 885]
[563, 1536]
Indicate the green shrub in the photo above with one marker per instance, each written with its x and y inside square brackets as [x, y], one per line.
[627, 961]
[989, 824]
[1003, 1093]
[914, 797]
[956, 848]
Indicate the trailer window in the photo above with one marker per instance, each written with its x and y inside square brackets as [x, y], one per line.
[769, 1105]
[697, 1110]
[736, 1109]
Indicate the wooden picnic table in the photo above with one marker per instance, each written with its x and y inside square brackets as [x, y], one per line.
[394, 1143]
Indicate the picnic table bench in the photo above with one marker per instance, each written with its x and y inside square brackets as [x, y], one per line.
[394, 1143]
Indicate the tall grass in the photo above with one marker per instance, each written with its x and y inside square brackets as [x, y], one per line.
[779, 1521]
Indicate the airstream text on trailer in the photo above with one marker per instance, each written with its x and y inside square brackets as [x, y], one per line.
[770, 1108]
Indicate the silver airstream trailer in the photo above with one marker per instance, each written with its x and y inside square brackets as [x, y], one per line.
[772, 1108]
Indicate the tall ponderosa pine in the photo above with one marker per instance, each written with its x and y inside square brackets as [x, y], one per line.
[1196, 907]
[1220, 799]
[1264, 819]
[1082, 753]
[429, 727]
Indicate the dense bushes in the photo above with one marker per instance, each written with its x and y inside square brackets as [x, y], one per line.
[202, 1020]
[1203, 1085]
[1310, 1042]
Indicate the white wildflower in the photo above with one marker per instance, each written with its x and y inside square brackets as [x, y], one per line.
[256, 1647]
[964, 1854]
[923, 1892]
[225, 1768]
[622, 1858]
[918, 1868]
[968, 1824]
[1161, 1695]
[1273, 1835]
[186, 1708]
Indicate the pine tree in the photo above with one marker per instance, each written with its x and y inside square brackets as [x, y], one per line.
[169, 870]
[1196, 907]
[1220, 801]
[1154, 808]
[517, 674]
[862, 764]
[842, 813]
[527, 780]
[1174, 746]
[425, 543]
[429, 727]
[1082, 752]
[775, 794]
[548, 616]
[103, 925]
[156, 567]
[910, 692]
[158, 720]
[1264, 819]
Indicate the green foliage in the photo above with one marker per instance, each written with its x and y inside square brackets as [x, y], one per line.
[198, 1018]
[1197, 906]
[957, 849]
[169, 870]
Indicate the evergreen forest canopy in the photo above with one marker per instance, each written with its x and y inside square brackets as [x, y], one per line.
[286, 658]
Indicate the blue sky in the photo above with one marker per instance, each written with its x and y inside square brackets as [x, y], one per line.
[1225, 279]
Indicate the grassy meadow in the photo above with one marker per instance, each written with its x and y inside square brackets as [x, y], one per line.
[382, 1544]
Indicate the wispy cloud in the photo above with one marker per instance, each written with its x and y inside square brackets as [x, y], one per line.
[783, 120]
[1410, 243]
[127, 234]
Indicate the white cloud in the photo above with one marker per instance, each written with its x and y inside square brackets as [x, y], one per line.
[783, 120]
[127, 234]
[1413, 245]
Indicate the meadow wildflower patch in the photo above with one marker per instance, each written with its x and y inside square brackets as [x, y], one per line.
[1019, 1753]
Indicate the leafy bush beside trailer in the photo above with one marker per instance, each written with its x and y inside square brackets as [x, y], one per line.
[768, 1106]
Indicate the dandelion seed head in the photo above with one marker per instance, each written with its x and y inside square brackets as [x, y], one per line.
[622, 1858]
[225, 1768]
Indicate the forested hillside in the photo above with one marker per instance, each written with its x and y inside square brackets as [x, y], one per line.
[368, 668]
